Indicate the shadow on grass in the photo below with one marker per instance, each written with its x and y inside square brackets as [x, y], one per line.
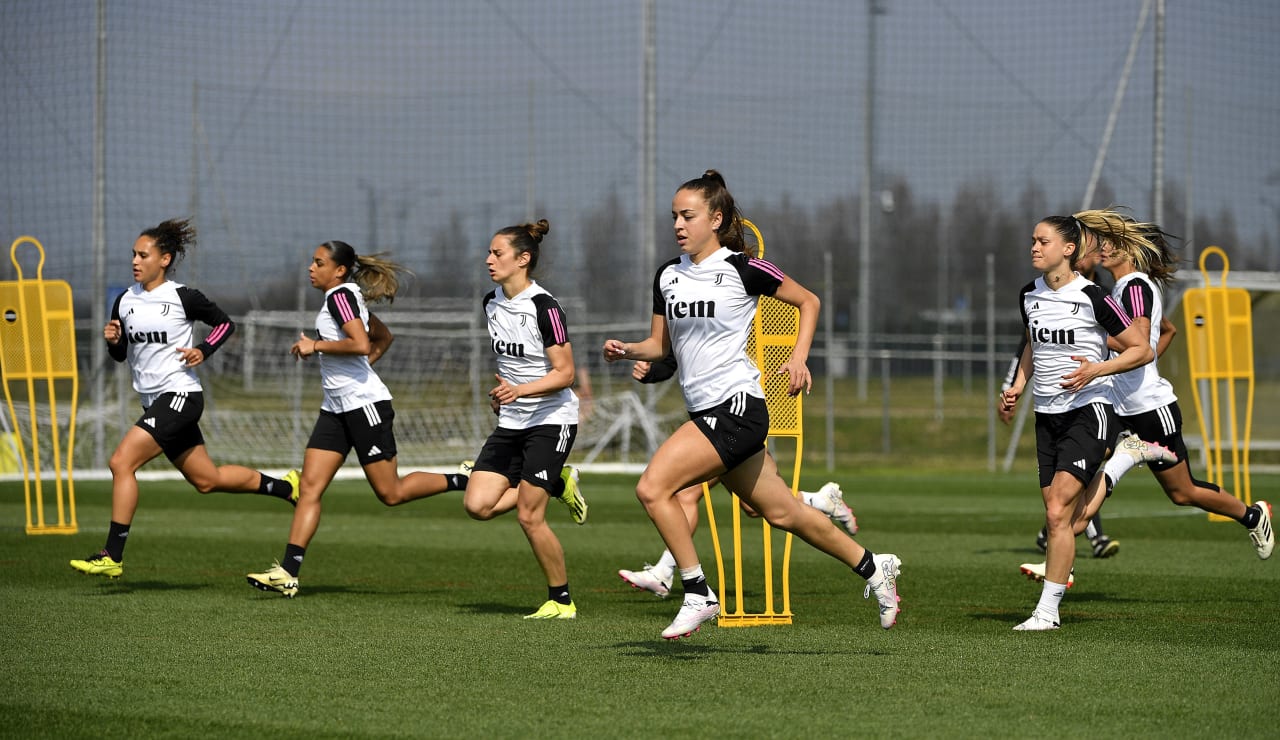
[685, 649]
[490, 607]
[116, 588]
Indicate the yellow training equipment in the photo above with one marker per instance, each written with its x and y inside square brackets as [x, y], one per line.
[38, 346]
[1220, 345]
[773, 335]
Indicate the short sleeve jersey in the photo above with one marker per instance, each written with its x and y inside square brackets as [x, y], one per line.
[709, 308]
[156, 324]
[349, 381]
[1141, 389]
[1072, 321]
[521, 329]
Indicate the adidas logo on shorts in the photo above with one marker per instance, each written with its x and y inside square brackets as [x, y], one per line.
[541, 475]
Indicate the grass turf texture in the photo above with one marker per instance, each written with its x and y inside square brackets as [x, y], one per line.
[408, 623]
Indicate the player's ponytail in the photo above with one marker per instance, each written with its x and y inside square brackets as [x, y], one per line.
[377, 276]
[172, 237]
[711, 185]
[527, 239]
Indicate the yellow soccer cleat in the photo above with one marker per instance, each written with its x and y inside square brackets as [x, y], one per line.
[572, 496]
[554, 610]
[275, 579]
[99, 564]
[293, 478]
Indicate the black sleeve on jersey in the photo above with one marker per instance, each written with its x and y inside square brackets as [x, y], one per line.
[1013, 364]
[1022, 307]
[335, 309]
[551, 322]
[199, 308]
[659, 300]
[1137, 298]
[487, 297]
[120, 350]
[661, 370]
[759, 277]
[1109, 314]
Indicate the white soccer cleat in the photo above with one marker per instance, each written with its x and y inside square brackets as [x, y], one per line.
[1035, 571]
[1262, 535]
[835, 507]
[695, 610]
[649, 579]
[466, 468]
[884, 583]
[1037, 623]
[1144, 452]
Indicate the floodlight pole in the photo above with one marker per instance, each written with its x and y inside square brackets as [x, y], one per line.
[99, 302]
[648, 155]
[874, 8]
[1157, 137]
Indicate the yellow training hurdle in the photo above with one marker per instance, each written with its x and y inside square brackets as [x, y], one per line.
[38, 345]
[773, 335]
[1220, 346]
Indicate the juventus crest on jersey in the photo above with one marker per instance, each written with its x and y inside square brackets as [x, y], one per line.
[521, 329]
[156, 323]
[1072, 321]
[709, 308]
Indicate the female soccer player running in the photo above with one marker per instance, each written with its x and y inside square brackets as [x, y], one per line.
[657, 578]
[704, 302]
[152, 328]
[522, 464]
[1068, 319]
[1138, 255]
[356, 409]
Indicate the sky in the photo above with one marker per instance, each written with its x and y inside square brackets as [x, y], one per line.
[283, 124]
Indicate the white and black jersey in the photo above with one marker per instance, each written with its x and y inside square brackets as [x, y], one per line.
[1141, 389]
[709, 308]
[155, 325]
[349, 381]
[1072, 321]
[520, 331]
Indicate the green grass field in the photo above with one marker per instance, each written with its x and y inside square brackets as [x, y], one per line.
[408, 624]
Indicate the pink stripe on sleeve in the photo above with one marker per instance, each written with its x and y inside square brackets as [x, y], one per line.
[1124, 316]
[218, 334]
[557, 327]
[344, 307]
[1135, 298]
[766, 266]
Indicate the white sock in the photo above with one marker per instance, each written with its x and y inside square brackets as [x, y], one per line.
[688, 574]
[1117, 466]
[811, 498]
[1091, 531]
[1050, 596]
[666, 563]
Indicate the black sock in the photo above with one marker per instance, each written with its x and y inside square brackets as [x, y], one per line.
[455, 482]
[1096, 521]
[559, 594]
[557, 488]
[1252, 515]
[696, 586]
[292, 560]
[116, 535]
[1110, 484]
[867, 566]
[269, 486]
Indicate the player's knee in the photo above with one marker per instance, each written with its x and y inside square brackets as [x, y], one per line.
[389, 496]
[476, 509]
[649, 494]
[204, 486]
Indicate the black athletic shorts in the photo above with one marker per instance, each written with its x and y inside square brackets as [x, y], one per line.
[536, 454]
[173, 420]
[1076, 441]
[737, 427]
[368, 429]
[1163, 426]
